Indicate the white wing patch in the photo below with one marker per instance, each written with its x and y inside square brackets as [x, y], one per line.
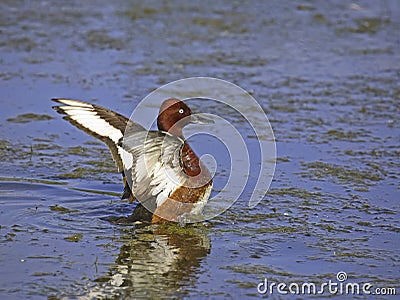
[164, 184]
[76, 103]
[156, 170]
[86, 116]
[126, 158]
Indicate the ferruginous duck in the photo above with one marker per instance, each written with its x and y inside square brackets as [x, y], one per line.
[159, 168]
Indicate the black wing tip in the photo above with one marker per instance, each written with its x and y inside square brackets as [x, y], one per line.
[57, 108]
[62, 101]
[58, 99]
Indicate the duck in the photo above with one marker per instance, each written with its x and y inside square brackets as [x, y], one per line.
[159, 169]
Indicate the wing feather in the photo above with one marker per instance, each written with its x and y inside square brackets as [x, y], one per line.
[156, 169]
[102, 123]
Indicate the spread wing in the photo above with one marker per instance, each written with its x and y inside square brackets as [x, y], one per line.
[102, 123]
[157, 168]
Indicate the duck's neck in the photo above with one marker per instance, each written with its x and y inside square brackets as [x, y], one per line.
[191, 163]
[172, 129]
[175, 130]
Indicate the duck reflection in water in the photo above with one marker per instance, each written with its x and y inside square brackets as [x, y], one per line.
[155, 260]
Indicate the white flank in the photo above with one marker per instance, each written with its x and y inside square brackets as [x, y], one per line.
[198, 207]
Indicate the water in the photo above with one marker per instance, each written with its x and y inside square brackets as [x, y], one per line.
[327, 74]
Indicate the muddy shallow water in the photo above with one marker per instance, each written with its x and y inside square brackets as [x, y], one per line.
[327, 74]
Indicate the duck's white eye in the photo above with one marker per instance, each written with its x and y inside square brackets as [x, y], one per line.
[181, 111]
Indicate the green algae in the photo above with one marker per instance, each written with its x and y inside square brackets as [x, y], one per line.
[103, 164]
[138, 12]
[78, 150]
[23, 43]
[31, 180]
[283, 108]
[294, 192]
[319, 170]
[278, 229]
[75, 173]
[369, 25]
[341, 134]
[85, 172]
[97, 192]
[234, 24]
[254, 269]
[41, 274]
[74, 237]
[44, 146]
[177, 229]
[5, 148]
[364, 25]
[102, 40]
[29, 117]
[61, 209]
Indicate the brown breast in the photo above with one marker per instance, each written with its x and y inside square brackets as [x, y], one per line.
[190, 161]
